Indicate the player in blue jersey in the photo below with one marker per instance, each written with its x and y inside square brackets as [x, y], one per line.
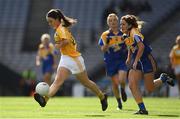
[115, 54]
[46, 55]
[143, 64]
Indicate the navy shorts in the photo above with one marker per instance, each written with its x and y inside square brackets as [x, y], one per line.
[147, 64]
[113, 67]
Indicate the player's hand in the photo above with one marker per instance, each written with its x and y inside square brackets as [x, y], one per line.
[105, 48]
[128, 62]
[135, 65]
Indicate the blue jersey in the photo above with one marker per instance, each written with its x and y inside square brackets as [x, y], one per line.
[46, 55]
[117, 48]
[132, 41]
[145, 62]
[47, 64]
[116, 55]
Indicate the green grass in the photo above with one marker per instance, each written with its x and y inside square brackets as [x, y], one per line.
[85, 108]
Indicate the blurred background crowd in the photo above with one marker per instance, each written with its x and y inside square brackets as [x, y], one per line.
[23, 22]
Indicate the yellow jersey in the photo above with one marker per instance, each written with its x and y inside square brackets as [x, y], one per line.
[176, 55]
[44, 51]
[71, 48]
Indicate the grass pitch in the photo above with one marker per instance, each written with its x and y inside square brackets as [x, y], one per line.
[86, 108]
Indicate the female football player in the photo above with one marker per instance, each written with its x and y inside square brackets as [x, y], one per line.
[115, 54]
[143, 64]
[175, 60]
[71, 60]
[46, 56]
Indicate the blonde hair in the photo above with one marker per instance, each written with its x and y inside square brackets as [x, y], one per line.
[110, 15]
[45, 36]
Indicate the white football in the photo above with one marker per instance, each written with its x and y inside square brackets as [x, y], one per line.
[42, 88]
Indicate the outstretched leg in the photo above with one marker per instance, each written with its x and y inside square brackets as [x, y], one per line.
[61, 76]
[83, 78]
[152, 84]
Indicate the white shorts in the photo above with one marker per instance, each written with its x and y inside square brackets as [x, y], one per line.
[75, 65]
[177, 69]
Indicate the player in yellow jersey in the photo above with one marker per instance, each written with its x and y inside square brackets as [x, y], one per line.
[175, 60]
[46, 56]
[71, 60]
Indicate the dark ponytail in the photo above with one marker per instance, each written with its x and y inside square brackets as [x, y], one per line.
[57, 14]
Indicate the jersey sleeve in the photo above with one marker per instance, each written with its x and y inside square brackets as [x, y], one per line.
[61, 33]
[100, 42]
[40, 48]
[137, 38]
[103, 39]
[52, 48]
